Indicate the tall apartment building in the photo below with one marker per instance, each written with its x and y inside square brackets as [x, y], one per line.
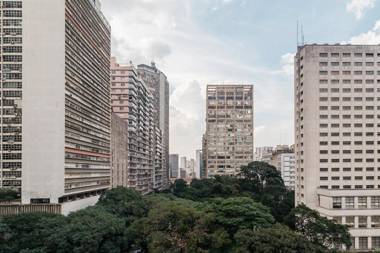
[157, 83]
[283, 158]
[11, 95]
[119, 151]
[337, 129]
[229, 128]
[132, 101]
[174, 165]
[61, 146]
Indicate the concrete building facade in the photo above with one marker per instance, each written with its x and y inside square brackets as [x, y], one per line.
[198, 163]
[337, 129]
[174, 165]
[11, 95]
[65, 102]
[263, 154]
[229, 128]
[283, 158]
[158, 85]
[132, 101]
[119, 151]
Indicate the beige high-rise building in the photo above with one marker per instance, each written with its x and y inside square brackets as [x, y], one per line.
[337, 129]
[132, 102]
[229, 128]
[158, 85]
[55, 120]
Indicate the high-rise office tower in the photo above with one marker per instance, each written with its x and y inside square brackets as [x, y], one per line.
[229, 128]
[132, 101]
[157, 83]
[65, 101]
[337, 129]
[174, 165]
[183, 162]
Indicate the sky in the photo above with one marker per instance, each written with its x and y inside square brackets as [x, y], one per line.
[200, 42]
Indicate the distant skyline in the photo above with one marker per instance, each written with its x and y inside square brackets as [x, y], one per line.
[202, 42]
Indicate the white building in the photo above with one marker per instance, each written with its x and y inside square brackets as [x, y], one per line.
[337, 129]
[263, 154]
[65, 102]
[198, 163]
[285, 163]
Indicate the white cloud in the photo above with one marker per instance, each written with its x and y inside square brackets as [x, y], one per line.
[358, 7]
[287, 63]
[165, 31]
[367, 38]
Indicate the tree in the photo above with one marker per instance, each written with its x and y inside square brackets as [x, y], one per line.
[173, 226]
[317, 229]
[278, 238]
[258, 175]
[91, 230]
[125, 203]
[23, 232]
[240, 213]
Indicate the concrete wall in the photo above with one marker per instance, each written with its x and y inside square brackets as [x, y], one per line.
[43, 99]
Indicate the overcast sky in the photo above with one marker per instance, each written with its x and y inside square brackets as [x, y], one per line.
[198, 42]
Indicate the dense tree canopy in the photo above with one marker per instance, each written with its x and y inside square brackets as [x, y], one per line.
[253, 212]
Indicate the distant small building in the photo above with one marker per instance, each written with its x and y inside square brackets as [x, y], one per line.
[174, 165]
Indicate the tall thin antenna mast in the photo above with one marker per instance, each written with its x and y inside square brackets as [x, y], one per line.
[302, 36]
[297, 34]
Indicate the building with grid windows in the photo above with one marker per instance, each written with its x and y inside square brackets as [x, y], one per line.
[132, 101]
[65, 102]
[158, 85]
[337, 129]
[11, 95]
[229, 129]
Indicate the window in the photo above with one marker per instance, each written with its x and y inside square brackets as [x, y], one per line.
[375, 221]
[350, 221]
[375, 202]
[363, 242]
[337, 202]
[362, 221]
[376, 242]
[350, 202]
[362, 202]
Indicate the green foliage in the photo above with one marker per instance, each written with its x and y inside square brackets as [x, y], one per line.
[24, 231]
[317, 229]
[89, 230]
[240, 213]
[125, 203]
[277, 239]
[8, 194]
[224, 214]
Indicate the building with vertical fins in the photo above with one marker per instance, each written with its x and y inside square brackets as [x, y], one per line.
[119, 151]
[337, 129]
[158, 85]
[132, 101]
[229, 128]
[61, 146]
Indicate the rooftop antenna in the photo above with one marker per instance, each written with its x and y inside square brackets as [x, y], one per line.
[302, 36]
[297, 34]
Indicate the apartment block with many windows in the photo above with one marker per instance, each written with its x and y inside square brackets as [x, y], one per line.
[65, 103]
[132, 101]
[11, 94]
[158, 85]
[229, 128]
[337, 136]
